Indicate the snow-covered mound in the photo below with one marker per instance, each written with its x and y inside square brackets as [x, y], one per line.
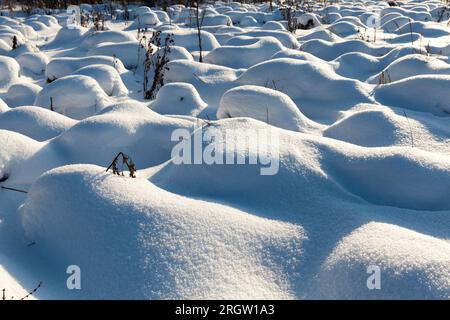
[375, 127]
[244, 56]
[22, 94]
[357, 65]
[307, 21]
[285, 165]
[425, 29]
[9, 71]
[248, 21]
[3, 106]
[37, 123]
[35, 62]
[150, 241]
[178, 98]
[147, 19]
[7, 34]
[215, 20]
[107, 77]
[74, 96]
[5, 48]
[344, 28]
[126, 127]
[323, 34]
[316, 88]
[263, 104]
[14, 289]
[68, 35]
[95, 38]
[210, 80]
[130, 53]
[421, 93]
[188, 38]
[16, 148]
[286, 38]
[60, 67]
[176, 53]
[307, 163]
[331, 50]
[411, 65]
[273, 25]
[405, 259]
[162, 16]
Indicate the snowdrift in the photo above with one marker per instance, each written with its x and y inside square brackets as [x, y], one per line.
[188, 39]
[178, 98]
[422, 259]
[335, 159]
[22, 94]
[37, 123]
[307, 162]
[156, 244]
[35, 62]
[244, 56]
[316, 88]
[60, 67]
[9, 71]
[75, 96]
[263, 104]
[420, 93]
[107, 77]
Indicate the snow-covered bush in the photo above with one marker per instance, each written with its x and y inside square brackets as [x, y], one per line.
[75, 96]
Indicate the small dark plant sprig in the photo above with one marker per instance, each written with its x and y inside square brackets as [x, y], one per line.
[15, 43]
[125, 160]
[32, 291]
[29, 294]
[199, 18]
[288, 15]
[98, 20]
[156, 60]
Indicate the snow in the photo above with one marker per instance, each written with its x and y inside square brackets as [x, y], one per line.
[3, 106]
[263, 104]
[304, 82]
[347, 121]
[130, 53]
[22, 94]
[424, 262]
[414, 64]
[92, 39]
[37, 123]
[409, 93]
[60, 67]
[187, 38]
[244, 56]
[154, 257]
[178, 98]
[35, 62]
[75, 96]
[9, 71]
[107, 77]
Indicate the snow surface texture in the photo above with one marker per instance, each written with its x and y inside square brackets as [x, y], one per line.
[360, 112]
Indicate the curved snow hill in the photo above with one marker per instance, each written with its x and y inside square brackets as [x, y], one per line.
[244, 56]
[128, 233]
[283, 240]
[37, 123]
[372, 125]
[425, 93]
[318, 91]
[356, 119]
[128, 127]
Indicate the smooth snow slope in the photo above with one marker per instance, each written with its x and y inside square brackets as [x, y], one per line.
[358, 156]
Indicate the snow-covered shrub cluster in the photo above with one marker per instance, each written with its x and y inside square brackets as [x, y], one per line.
[357, 93]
